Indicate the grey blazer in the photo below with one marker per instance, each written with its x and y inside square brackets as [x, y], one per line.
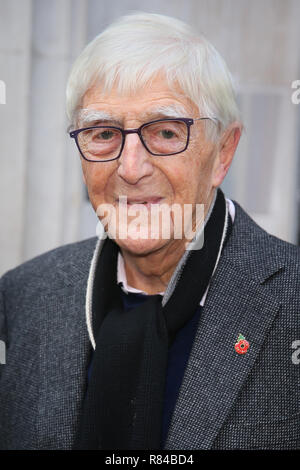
[226, 401]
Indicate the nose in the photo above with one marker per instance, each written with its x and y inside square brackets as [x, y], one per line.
[135, 161]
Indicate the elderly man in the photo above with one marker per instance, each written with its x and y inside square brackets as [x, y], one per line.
[138, 340]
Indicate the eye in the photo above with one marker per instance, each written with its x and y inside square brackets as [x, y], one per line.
[167, 134]
[105, 135]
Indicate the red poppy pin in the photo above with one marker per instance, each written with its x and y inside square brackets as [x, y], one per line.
[242, 345]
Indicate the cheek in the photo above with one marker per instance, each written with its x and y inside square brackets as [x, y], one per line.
[203, 163]
[197, 183]
[96, 179]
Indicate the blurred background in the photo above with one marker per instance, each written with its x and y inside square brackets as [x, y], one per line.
[43, 202]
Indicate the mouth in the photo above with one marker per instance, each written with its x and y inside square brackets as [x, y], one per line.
[146, 201]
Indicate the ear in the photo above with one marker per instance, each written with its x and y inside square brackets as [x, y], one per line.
[226, 150]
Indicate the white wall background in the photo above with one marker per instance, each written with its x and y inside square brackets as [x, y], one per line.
[42, 199]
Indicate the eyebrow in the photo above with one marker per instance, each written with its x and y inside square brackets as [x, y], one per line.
[171, 111]
[90, 116]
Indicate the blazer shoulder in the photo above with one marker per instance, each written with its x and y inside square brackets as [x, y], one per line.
[254, 236]
[264, 257]
[52, 270]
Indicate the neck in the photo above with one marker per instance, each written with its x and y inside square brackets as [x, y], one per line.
[151, 273]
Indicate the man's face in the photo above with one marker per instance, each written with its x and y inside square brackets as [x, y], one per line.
[185, 178]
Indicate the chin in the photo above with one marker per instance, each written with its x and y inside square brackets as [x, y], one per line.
[141, 247]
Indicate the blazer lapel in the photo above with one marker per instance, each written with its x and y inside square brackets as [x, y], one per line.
[236, 304]
[64, 353]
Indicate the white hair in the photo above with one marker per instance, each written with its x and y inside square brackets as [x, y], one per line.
[135, 48]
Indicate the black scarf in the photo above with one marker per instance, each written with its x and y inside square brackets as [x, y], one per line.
[124, 402]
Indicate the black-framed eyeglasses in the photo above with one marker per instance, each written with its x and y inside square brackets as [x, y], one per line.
[162, 137]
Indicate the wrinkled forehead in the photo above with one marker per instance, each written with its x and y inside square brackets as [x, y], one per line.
[124, 83]
[88, 116]
[156, 99]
